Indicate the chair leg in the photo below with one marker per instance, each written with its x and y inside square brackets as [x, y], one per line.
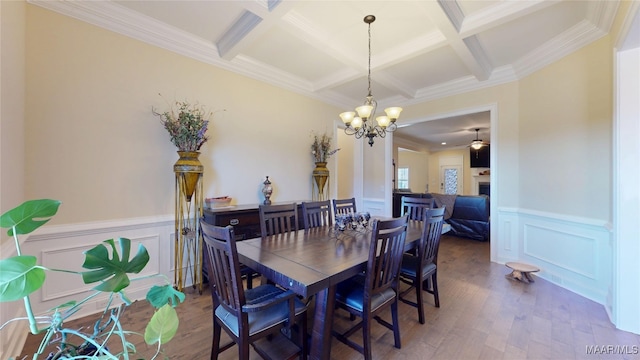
[215, 342]
[249, 280]
[396, 324]
[304, 339]
[243, 349]
[419, 304]
[434, 282]
[366, 337]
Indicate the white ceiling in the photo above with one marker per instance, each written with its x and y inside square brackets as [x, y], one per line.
[421, 50]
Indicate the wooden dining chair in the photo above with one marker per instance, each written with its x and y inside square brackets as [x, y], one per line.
[367, 294]
[253, 316]
[415, 207]
[418, 270]
[277, 219]
[344, 206]
[316, 214]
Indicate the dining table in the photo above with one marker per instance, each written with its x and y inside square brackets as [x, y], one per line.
[312, 262]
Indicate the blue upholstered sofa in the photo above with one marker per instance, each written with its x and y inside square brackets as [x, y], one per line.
[468, 215]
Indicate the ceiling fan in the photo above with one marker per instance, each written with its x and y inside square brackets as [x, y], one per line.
[477, 143]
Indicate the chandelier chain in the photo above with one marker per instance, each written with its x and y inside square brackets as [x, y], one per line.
[369, 74]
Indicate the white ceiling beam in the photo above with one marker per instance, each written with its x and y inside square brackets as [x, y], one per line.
[258, 18]
[473, 56]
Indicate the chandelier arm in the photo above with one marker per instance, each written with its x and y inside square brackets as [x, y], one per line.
[349, 130]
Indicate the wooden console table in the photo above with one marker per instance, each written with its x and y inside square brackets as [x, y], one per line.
[245, 219]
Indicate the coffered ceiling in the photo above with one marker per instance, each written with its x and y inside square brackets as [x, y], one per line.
[421, 50]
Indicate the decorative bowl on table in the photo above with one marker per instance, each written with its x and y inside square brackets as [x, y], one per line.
[217, 202]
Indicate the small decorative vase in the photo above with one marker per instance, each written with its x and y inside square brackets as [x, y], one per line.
[320, 176]
[267, 190]
[190, 169]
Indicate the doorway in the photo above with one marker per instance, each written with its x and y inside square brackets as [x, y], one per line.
[451, 175]
[492, 110]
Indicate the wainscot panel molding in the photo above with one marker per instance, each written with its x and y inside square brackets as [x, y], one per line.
[507, 248]
[573, 252]
[375, 206]
[62, 247]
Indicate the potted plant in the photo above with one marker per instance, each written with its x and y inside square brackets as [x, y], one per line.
[21, 276]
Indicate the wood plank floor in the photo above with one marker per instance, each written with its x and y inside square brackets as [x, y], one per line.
[483, 315]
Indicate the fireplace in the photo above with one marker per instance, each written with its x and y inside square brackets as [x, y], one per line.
[484, 188]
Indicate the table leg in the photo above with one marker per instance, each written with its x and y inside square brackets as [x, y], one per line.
[322, 323]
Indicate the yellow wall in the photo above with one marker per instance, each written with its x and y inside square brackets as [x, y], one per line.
[12, 144]
[434, 169]
[12, 103]
[565, 135]
[94, 143]
[345, 166]
[418, 164]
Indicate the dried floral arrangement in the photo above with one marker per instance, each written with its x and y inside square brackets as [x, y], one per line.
[187, 124]
[321, 147]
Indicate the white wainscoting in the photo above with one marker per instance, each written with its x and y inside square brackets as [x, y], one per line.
[62, 247]
[575, 253]
[375, 207]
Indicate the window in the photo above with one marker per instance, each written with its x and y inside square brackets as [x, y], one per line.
[403, 178]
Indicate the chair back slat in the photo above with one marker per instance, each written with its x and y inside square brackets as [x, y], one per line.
[431, 232]
[221, 255]
[344, 206]
[415, 207]
[316, 214]
[278, 219]
[385, 254]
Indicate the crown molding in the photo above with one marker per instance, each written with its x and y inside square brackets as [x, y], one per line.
[117, 18]
[555, 49]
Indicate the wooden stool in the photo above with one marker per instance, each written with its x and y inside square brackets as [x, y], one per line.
[521, 272]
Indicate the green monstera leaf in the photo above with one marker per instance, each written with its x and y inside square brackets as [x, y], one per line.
[113, 271]
[159, 296]
[19, 277]
[163, 326]
[29, 216]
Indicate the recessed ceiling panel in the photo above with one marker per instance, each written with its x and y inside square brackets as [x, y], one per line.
[342, 22]
[281, 49]
[430, 69]
[512, 41]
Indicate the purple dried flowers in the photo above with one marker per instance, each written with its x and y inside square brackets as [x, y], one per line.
[321, 147]
[187, 125]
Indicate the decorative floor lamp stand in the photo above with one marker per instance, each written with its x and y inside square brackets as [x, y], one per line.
[320, 178]
[188, 209]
